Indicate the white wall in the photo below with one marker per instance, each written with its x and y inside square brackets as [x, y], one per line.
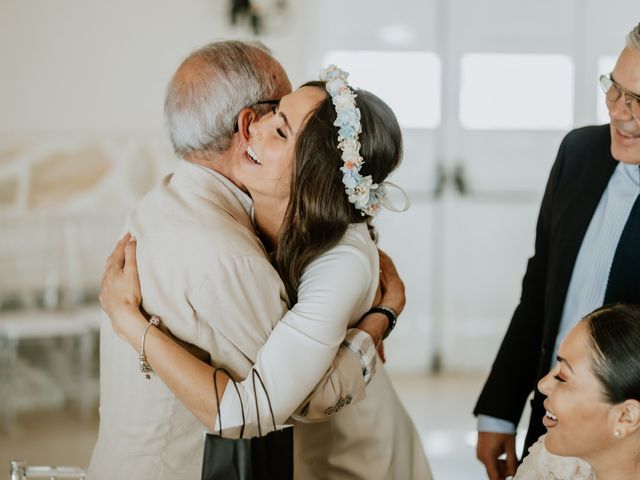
[101, 66]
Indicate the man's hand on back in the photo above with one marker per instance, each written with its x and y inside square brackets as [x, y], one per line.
[392, 295]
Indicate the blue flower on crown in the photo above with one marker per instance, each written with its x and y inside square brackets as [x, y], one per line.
[351, 179]
[348, 117]
[331, 72]
[346, 132]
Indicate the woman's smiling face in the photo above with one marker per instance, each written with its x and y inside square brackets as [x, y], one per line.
[578, 419]
[267, 166]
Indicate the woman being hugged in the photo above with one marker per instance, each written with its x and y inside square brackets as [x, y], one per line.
[593, 402]
[315, 169]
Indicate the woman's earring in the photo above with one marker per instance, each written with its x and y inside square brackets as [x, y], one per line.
[617, 433]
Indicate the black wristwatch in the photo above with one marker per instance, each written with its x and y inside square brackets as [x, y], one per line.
[390, 313]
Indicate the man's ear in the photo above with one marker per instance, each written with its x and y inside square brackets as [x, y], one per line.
[245, 118]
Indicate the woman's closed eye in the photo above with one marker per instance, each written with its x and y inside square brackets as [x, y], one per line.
[274, 111]
[559, 378]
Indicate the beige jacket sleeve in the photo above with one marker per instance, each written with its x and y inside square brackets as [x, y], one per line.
[341, 385]
[237, 307]
[302, 365]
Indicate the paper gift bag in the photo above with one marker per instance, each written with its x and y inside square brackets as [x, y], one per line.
[248, 456]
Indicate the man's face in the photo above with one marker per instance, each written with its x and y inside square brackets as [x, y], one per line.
[625, 128]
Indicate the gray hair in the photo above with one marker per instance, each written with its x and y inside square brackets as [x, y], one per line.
[633, 38]
[210, 88]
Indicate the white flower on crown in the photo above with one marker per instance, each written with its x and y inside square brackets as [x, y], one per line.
[335, 87]
[376, 197]
[360, 194]
[344, 101]
[351, 155]
[331, 71]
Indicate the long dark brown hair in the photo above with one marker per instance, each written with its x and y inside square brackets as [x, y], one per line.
[319, 211]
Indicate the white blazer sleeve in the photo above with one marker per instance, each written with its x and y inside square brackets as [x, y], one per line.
[304, 343]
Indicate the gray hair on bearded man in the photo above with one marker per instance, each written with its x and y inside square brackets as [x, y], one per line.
[633, 38]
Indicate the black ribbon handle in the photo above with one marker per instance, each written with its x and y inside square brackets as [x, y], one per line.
[215, 387]
[254, 374]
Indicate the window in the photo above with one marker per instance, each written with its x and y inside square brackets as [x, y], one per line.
[408, 81]
[605, 66]
[516, 91]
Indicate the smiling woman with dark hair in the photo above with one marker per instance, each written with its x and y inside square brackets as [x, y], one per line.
[593, 402]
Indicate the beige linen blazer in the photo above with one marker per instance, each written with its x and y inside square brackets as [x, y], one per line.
[205, 273]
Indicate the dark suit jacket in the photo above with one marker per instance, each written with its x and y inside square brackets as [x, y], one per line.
[578, 179]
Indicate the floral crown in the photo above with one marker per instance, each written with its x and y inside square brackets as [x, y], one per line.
[361, 191]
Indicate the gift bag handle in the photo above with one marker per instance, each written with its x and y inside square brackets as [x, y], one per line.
[254, 374]
[215, 387]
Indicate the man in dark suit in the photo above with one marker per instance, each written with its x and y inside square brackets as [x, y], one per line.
[588, 223]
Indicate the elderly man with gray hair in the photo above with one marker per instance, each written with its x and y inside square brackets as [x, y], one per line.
[586, 255]
[203, 268]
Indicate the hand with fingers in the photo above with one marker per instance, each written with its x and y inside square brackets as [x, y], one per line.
[391, 294]
[380, 350]
[491, 446]
[120, 295]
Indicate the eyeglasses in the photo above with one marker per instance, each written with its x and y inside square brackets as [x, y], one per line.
[261, 108]
[266, 102]
[613, 92]
[264, 106]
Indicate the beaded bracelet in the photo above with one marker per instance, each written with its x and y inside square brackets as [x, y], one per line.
[145, 368]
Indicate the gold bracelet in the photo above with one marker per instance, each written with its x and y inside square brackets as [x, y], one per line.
[145, 368]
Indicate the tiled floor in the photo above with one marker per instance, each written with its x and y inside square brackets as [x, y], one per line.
[49, 438]
[441, 409]
[440, 406]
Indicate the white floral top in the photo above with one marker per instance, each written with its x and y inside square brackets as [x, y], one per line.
[542, 465]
